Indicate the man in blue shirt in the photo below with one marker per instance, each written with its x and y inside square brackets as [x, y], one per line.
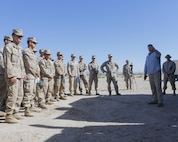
[153, 70]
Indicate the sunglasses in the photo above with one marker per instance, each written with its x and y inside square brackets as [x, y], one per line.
[34, 42]
[19, 36]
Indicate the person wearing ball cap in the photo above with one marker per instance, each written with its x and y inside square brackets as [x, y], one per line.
[15, 74]
[60, 73]
[47, 72]
[93, 68]
[73, 72]
[32, 71]
[3, 90]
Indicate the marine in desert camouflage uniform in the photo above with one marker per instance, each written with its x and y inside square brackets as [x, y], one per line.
[14, 74]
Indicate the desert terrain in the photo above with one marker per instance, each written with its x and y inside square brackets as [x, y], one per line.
[103, 118]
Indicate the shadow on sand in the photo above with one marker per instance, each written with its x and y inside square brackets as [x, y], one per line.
[125, 118]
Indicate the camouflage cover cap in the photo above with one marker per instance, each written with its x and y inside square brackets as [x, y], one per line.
[8, 38]
[17, 32]
[33, 39]
[109, 55]
[93, 57]
[41, 50]
[47, 52]
[59, 53]
[73, 55]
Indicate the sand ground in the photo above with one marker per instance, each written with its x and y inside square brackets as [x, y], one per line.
[103, 118]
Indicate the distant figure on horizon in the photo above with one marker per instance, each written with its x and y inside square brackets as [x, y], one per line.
[168, 69]
[153, 70]
[93, 68]
[111, 68]
[127, 72]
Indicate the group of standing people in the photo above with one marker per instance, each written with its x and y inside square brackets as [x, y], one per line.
[27, 80]
[152, 69]
[35, 83]
[30, 80]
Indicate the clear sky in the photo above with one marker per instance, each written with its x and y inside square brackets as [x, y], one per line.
[123, 28]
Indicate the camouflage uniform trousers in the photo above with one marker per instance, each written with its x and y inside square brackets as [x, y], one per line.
[73, 84]
[128, 81]
[15, 95]
[48, 88]
[40, 97]
[84, 80]
[3, 93]
[93, 77]
[114, 81]
[28, 99]
[59, 87]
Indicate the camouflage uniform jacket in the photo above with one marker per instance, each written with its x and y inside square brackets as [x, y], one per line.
[93, 67]
[1, 62]
[82, 68]
[73, 68]
[60, 68]
[30, 63]
[111, 68]
[47, 69]
[13, 61]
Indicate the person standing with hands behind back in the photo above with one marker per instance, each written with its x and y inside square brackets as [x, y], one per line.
[153, 70]
[169, 68]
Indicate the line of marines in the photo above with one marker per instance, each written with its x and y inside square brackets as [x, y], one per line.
[34, 83]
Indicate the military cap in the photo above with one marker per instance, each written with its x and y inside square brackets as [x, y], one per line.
[150, 45]
[73, 55]
[109, 55]
[81, 57]
[167, 56]
[33, 39]
[17, 32]
[93, 57]
[41, 51]
[8, 38]
[59, 53]
[47, 52]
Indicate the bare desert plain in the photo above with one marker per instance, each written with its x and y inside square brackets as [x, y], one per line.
[103, 118]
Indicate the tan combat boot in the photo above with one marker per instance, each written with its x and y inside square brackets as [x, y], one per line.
[53, 100]
[2, 114]
[49, 103]
[63, 98]
[35, 109]
[28, 112]
[18, 116]
[11, 119]
[42, 106]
